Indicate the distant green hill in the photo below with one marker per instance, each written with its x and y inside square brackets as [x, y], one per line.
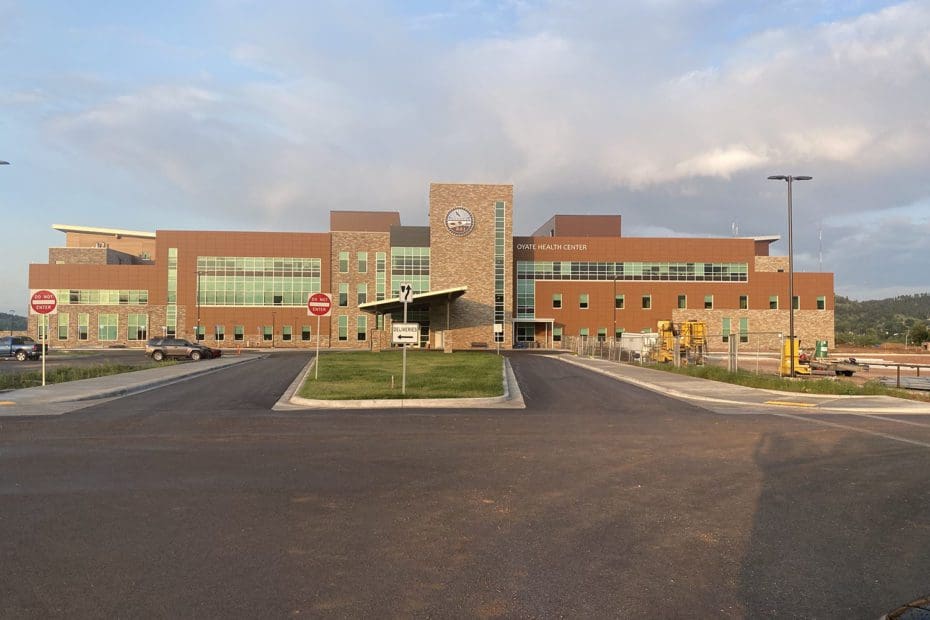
[19, 323]
[883, 320]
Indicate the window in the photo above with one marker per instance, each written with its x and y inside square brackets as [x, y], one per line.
[83, 323]
[219, 333]
[744, 330]
[726, 329]
[63, 325]
[583, 301]
[343, 327]
[602, 334]
[268, 333]
[557, 300]
[708, 302]
[647, 302]
[744, 302]
[238, 332]
[682, 301]
[773, 302]
[106, 326]
[137, 327]
[363, 262]
[305, 333]
[343, 262]
[821, 303]
[583, 332]
[199, 332]
[343, 295]
[796, 302]
[618, 302]
[556, 334]
[287, 333]
[361, 328]
[618, 333]
[361, 293]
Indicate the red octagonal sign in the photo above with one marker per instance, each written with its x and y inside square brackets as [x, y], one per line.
[43, 302]
[319, 304]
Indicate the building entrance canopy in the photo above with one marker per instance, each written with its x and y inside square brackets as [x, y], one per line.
[422, 300]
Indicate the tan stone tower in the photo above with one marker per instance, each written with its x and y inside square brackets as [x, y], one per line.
[471, 242]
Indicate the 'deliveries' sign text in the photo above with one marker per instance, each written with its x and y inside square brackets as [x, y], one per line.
[569, 247]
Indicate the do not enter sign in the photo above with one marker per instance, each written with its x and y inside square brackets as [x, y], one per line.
[319, 304]
[43, 302]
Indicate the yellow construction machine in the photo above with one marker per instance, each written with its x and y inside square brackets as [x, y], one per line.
[689, 338]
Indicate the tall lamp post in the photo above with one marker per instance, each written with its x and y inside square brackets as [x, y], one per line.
[11, 323]
[790, 180]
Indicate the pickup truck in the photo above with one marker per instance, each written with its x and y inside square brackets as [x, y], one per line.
[20, 347]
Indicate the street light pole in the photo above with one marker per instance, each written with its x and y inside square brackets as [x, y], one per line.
[790, 179]
[11, 323]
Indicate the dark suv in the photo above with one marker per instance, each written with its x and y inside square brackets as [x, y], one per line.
[160, 348]
[20, 347]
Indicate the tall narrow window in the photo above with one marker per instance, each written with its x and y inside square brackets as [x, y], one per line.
[773, 302]
[343, 294]
[602, 334]
[287, 332]
[305, 332]
[821, 303]
[583, 301]
[343, 327]
[219, 333]
[726, 329]
[361, 293]
[363, 262]
[361, 328]
[83, 325]
[238, 332]
[708, 302]
[556, 334]
[106, 326]
[267, 333]
[557, 300]
[343, 262]
[647, 302]
[63, 325]
[618, 302]
[796, 302]
[744, 302]
[682, 302]
[744, 330]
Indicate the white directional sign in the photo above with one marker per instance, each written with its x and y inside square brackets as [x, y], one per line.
[406, 293]
[405, 333]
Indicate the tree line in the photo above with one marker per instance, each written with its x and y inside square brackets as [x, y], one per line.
[903, 319]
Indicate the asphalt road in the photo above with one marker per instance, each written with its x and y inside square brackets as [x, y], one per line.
[598, 500]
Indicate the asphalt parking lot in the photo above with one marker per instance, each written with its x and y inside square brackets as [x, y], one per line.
[600, 499]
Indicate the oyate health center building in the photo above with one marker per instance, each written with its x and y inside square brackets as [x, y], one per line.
[475, 285]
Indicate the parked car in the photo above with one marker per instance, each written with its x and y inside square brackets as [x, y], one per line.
[160, 348]
[20, 347]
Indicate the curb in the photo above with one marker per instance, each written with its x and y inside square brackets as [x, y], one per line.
[708, 399]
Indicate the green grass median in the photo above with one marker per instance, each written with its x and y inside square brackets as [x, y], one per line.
[63, 374]
[430, 374]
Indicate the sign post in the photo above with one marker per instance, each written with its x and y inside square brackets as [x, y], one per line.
[406, 296]
[43, 303]
[319, 304]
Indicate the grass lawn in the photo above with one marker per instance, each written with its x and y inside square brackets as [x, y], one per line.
[806, 386]
[32, 378]
[430, 374]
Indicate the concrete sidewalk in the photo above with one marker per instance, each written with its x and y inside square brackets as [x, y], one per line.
[58, 398]
[725, 394]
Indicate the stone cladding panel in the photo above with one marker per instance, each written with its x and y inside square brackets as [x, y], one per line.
[766, 327]
[771, 263]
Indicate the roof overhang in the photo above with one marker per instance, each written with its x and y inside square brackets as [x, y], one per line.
[390, 305]
[112, 232]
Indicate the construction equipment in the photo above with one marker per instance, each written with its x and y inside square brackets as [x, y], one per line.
[681, 343]
[805, 366]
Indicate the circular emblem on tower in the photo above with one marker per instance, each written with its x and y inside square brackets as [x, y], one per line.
[459, 221]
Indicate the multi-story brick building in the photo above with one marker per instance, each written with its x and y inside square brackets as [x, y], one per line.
[474, 283]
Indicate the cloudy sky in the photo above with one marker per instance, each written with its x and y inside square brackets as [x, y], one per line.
[265, 115]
